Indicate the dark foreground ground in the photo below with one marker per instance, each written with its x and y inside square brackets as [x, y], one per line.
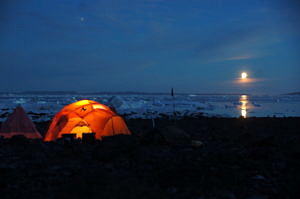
[254, 158]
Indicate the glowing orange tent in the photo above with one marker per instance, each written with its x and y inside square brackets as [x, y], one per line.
[18, 123]
[86, 116]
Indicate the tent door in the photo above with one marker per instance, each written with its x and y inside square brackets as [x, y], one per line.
[78, 130]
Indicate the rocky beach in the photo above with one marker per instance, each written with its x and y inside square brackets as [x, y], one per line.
[200, 158]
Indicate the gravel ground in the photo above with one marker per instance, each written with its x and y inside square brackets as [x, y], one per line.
[199, 158]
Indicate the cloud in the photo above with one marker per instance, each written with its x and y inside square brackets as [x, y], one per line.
[241, 57]
[248, 80]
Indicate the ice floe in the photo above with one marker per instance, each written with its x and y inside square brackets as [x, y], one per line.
[44, 107]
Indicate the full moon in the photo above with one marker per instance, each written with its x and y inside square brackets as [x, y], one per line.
[244, 75]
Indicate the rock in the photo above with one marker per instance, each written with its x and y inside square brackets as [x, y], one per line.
[18, 139]
[258, 197]
[121, 142]
[228, 195]
[196, 143]
[231, 196]
[259, 177]
[260, 153]
[174, 135]
[153, 136]
[171, 190]
[88, 138]
[267, 141]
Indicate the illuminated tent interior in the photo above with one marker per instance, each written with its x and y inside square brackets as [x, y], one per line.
[86, 116]
[18, 123]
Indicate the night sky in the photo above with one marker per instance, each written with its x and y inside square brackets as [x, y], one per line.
[150, 45]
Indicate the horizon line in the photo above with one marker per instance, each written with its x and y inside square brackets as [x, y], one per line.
[53, 92]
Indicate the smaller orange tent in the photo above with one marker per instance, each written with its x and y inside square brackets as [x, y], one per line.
[86, 116]
[18, 123]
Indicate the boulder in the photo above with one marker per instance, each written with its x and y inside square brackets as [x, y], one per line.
[153, 136]
[196, 143]
[120, 142]
[174, 135]
[18, 139]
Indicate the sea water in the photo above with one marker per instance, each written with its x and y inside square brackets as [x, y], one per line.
[44, 107]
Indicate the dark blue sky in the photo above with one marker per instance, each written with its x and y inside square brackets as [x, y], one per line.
[150, 45]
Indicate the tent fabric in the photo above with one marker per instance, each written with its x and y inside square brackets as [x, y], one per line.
[86, 116]
[18, 123]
